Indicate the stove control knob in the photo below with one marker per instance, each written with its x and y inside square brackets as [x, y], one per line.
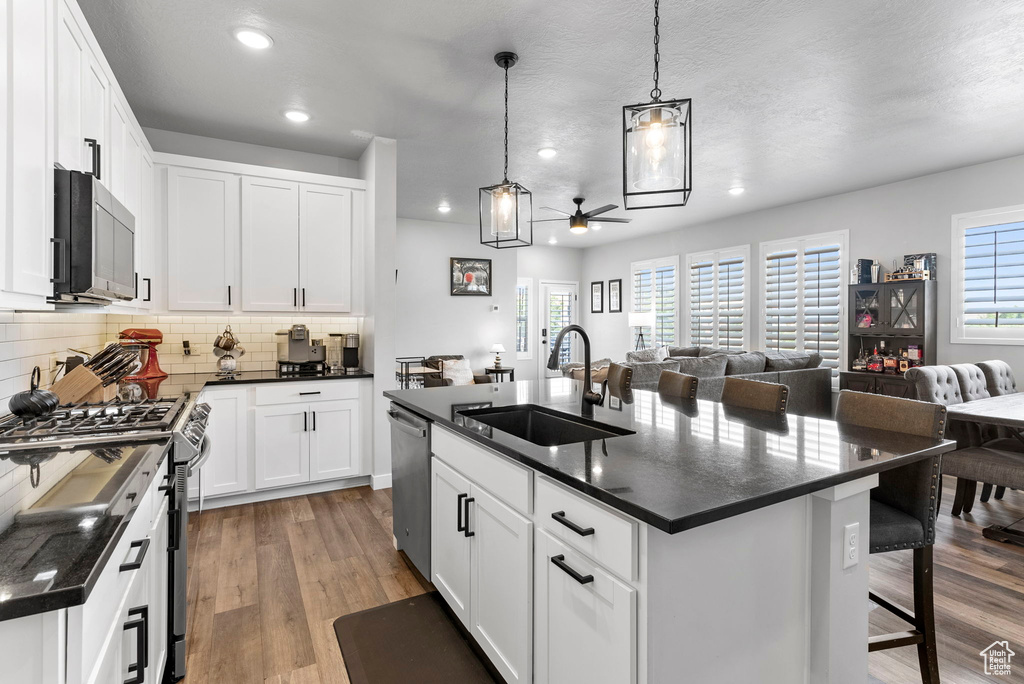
[201, 411]
[194, 433]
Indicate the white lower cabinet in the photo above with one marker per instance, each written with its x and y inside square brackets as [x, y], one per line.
[228, 431]
[334, 442]
[584, 619]
[482, 563]
[282, 445]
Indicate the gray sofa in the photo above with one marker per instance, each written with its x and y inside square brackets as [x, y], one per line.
[810, 386]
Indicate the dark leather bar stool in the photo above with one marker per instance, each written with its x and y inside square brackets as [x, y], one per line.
[677, 385]
[754, 394]
[903, 509]
[618, 383]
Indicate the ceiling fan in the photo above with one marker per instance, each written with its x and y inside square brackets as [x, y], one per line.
[578, 221]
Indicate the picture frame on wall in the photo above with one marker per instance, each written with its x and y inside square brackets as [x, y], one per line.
[597, 296]
[615, 296]
[471, 277]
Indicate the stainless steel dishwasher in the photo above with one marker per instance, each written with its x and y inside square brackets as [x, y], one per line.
[410, 485]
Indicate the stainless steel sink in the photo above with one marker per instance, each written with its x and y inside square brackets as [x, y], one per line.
[543, 426]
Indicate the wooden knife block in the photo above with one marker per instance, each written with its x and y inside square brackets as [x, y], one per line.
[82, 385]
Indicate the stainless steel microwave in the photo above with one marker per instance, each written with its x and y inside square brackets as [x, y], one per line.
[94, 242]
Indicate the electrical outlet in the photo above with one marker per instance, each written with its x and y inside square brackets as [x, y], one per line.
[851, 545]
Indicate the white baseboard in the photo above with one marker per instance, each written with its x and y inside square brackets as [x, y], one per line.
[380, 481]
[280, 493]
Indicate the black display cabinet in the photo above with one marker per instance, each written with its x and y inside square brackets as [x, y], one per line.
[901, 314]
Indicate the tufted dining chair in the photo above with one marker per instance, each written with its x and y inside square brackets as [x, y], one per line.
[998, 377]
[903, 510]
[971, 379]
[937, 384]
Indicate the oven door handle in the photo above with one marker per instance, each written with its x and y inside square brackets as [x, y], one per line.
[204, 453]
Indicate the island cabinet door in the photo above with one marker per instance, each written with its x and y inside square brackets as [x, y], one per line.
[584, 619]
[282, 445]
[502, 581]
[449, 542]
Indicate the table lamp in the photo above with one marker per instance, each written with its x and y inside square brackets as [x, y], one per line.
[497, 350]
[641, 320]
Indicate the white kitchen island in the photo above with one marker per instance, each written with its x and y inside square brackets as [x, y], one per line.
[703, 546]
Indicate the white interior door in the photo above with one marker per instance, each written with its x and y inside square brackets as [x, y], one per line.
[558, 309]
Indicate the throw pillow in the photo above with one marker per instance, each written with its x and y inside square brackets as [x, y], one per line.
[704, 366]
[711, 351]
[786, 360]
[683, 351]
[815, 360]
[458, 371]
[747, 362]
[643, 356]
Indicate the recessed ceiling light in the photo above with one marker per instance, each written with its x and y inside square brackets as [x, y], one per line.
[443, 208]
[552, 241]
[736, 191]
[595, 226]
[297, 116]
[547, 152]
[254, 38]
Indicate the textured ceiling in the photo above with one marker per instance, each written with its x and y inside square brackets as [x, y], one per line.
[792, 100]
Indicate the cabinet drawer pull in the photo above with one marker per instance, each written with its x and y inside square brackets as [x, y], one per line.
[141, 644]
[229, 295]
[303, 296]
[96, 156]
[467, 531]
[305, 421]
[143, 546]
[559, 516]
[306, 394]
[459, 525]
[149, 289]
[314, 421]
[295, 296]
[559, 560]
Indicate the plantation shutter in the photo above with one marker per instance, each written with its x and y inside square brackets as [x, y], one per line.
[803, 297]
[702, 303]
[993, 269]
[731, 302]
[665, 305]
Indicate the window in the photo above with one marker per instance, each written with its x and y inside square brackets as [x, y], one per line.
[988, 282]
[523, 288]
[717, 296]
[654, 287]
[804, 295]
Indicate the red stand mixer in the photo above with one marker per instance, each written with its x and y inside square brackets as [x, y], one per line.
[148, 338]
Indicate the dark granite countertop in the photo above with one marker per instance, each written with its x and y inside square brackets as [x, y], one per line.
[687, 464]
[50, 561]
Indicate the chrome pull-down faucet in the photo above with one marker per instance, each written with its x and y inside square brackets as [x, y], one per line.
[590, 397]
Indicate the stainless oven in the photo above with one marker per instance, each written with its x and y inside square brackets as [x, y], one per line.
[94, 242]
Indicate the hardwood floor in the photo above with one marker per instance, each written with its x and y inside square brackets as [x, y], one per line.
[267, 581]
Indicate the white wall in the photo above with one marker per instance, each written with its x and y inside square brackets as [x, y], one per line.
[172, 142]
[430, 319]
[539, 263]
[884, 223]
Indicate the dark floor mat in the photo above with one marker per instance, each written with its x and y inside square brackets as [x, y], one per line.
[415, 640]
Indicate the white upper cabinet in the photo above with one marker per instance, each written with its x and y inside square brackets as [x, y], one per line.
[202, 234]
[146, 231]
[83, 98]
[115, 175]
[270, 245]
[29, 42]
[325, 248]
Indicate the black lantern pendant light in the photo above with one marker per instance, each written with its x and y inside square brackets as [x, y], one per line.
[656, 152]
[506, 209]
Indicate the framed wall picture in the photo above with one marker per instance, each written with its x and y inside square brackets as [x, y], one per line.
[471, 277]
[597, 296]
[615, 296]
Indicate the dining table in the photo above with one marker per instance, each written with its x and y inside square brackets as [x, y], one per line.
[1004, 411]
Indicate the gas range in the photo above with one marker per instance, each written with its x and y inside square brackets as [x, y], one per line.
[73, 425]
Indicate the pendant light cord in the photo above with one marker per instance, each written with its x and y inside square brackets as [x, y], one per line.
[506, 121]
[655, 93]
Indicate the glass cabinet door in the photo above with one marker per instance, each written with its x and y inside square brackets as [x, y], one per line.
[866, 309]
[906, 307]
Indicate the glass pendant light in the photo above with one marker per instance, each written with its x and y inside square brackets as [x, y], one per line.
[656, 155]
[506, 209]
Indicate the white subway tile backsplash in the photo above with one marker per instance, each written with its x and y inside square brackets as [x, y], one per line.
[40, 339]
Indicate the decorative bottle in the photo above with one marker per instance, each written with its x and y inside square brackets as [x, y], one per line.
[875, 363]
